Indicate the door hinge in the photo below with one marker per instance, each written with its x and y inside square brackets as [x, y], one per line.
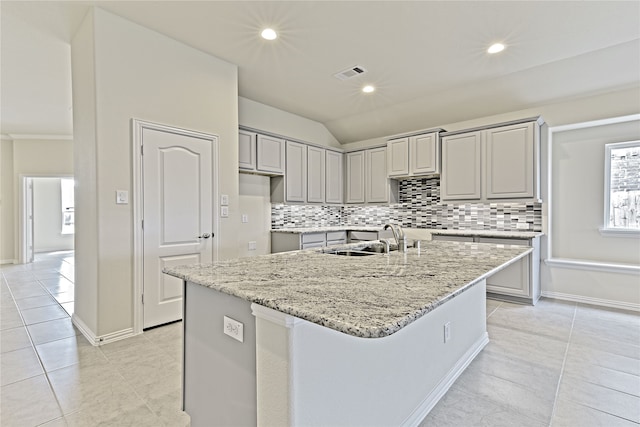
[142, 224]
[142, 150]
[142, 298]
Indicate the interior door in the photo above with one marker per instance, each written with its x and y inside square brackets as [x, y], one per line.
[178, 215]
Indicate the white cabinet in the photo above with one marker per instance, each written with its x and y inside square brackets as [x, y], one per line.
[316, 170]
[398, 157]
[355, 177]
[247, 150]
[518, 282]
[461, 167]
[376, 180]
[367, 179]
[296, 172]
[510, 161]
[260, 153]
[414, 156]
[283, 241]
[500, 162]
[333, 177]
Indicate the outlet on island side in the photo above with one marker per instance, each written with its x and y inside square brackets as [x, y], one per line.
[253, 245]
[234, 329]
[447, 332]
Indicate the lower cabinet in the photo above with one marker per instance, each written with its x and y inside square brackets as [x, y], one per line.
[283, 242]
[518, 282]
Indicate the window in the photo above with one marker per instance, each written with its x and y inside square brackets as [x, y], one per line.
[67, 199]
[622, 187]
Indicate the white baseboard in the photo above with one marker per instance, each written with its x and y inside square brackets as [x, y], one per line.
[593, 301]
[102, 339]
[8, 261]
[418, 415]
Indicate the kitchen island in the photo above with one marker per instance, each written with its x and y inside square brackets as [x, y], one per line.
[333, 340]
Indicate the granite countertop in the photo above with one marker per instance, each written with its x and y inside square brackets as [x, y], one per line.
[369, 296]
[488, 233]
[468, 233]
[307, 230]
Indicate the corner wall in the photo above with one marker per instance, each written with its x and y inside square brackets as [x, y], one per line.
[122, 71]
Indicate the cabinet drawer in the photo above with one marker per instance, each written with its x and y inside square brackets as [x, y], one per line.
[336, 235]
[356, 236]
[313, 238]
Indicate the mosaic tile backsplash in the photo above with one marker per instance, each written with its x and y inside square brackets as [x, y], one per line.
[419, 207]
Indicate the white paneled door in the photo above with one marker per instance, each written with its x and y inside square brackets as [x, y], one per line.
[178, 216]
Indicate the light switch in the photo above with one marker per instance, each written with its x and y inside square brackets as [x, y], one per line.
[224, 200]
[122, 197]
[245, 218]
[224, 211]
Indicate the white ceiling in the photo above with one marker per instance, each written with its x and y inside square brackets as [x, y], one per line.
[426, 58]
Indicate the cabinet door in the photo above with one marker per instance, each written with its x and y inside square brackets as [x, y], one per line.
[334, 177]
[355, 177]
[247, 150]
[510, 161]
[398, 157]
[296, 172]
[270, 154]
[424, 154]
[461, 163]
[315, 174]
[376, 181]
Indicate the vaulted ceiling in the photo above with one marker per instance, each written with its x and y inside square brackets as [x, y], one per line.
[427, 59]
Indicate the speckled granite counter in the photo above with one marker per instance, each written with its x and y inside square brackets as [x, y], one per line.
[306, 230]
[488, 233]
[368, 296]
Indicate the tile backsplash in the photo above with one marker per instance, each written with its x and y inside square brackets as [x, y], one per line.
[419, 207]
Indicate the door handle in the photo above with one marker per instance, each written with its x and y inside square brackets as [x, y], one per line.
[205, 236]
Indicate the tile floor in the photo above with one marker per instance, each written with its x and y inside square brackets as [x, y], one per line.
[555, 364]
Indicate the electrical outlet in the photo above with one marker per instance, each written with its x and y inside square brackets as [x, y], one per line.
[234, 329]
[252, 246]
[447, 331]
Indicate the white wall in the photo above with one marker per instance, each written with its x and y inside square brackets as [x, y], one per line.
[26, 157]
[266, 118]
[255, 202]
[123, 71]
[618, 289]
[47, 217]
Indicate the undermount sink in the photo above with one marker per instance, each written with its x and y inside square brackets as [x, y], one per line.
[351, 253]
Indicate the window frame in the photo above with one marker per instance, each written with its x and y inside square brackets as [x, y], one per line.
[606, 229]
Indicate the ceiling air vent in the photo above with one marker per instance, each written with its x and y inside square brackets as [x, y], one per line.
[350, 72]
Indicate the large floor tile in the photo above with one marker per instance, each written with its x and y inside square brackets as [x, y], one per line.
[461, 409]
[139, 416]
[545, 351]
[14, 339]
[27, 290]
[18, 365]
[583, 355]
[28, 403]
[58, 284]
[531, 320]
[168, 408]
[571, 414]
[606, 313]
[68, 351]
[43, 314]
[606, 377]
[35, 302]
[506, 393]
[10, 318]
[585, 340]
[63, 297]
[52, 330]
[601, 398]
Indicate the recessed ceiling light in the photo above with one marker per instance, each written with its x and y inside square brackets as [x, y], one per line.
[269, 34]
[495, 48]
[368, 89]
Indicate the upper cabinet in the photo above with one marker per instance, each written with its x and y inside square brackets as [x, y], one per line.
[416, 155]
[500, 162]
[296, 172]
[366, 180]
[333, 177]
[316, 165]
[260, 153]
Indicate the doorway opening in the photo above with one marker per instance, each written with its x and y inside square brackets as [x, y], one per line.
[47, 216]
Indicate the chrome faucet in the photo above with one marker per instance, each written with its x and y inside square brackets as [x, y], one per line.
[398, 234]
